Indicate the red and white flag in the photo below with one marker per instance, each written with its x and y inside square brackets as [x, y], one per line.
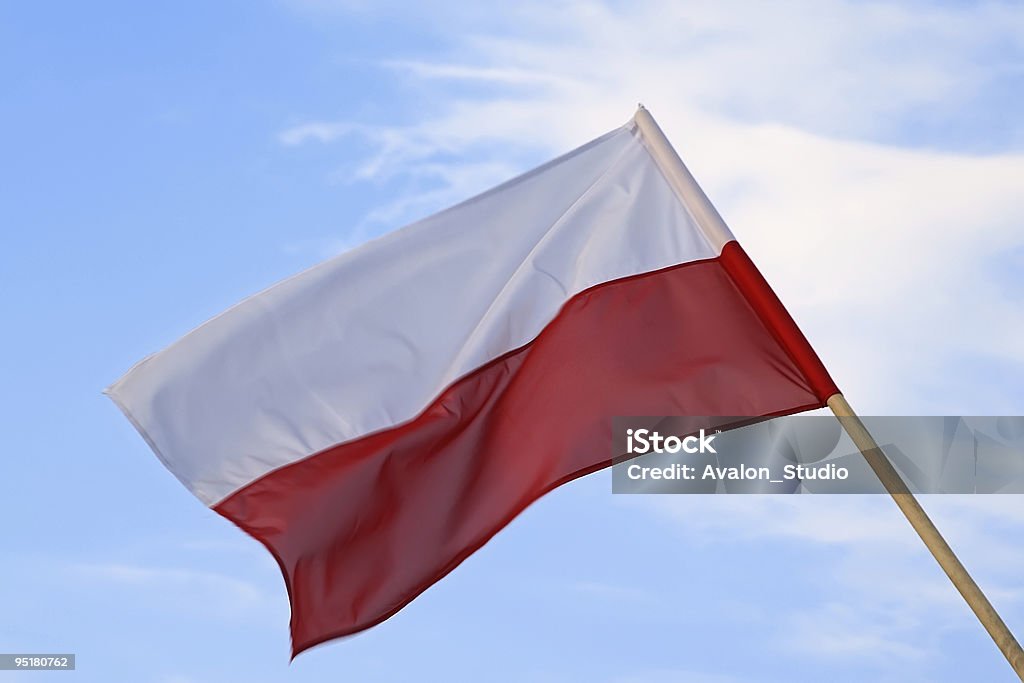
[376, 419]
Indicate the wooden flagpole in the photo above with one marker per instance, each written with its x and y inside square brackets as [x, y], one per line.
[709, 219]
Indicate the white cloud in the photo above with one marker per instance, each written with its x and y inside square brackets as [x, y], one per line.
[846, 631]
[319, 132]
[883, 598]
[490, 75]
[827, 65]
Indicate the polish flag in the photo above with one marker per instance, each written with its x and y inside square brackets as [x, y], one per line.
[376, 419]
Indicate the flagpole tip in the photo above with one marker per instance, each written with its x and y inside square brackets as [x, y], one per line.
[641, 110]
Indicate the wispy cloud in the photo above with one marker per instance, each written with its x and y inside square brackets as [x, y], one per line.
[831, 66]
[853, 632]
[318, 132]
[884, 598]
[486, 75]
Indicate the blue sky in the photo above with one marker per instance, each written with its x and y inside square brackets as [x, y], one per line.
[160, 162]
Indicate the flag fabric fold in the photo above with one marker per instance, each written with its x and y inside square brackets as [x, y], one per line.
[376, 419]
